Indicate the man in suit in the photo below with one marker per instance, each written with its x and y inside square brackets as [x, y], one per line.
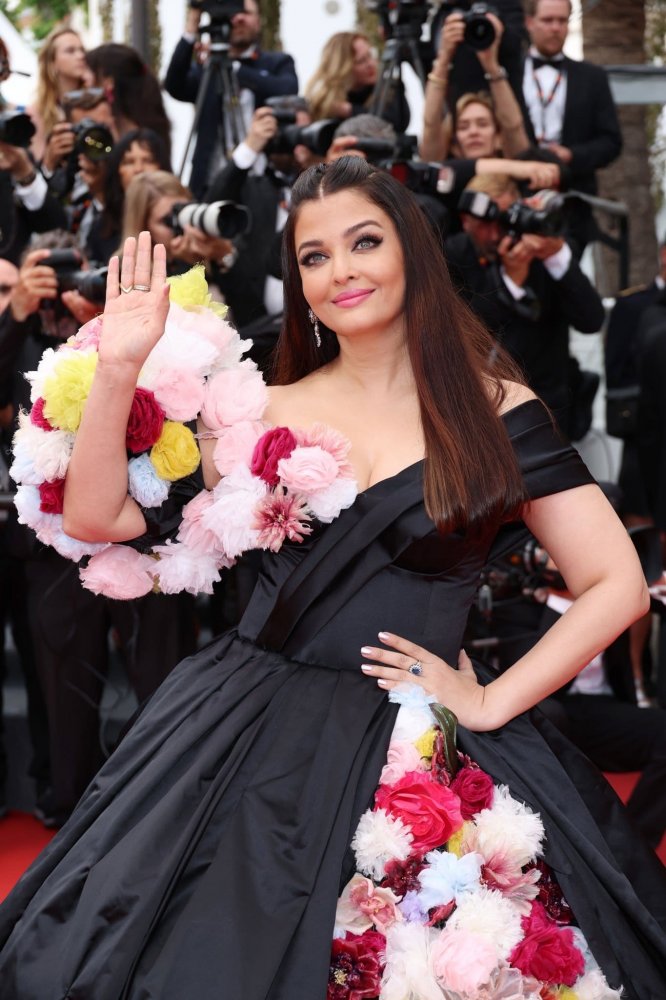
[259, 75]
[528, 290]
[570, 108]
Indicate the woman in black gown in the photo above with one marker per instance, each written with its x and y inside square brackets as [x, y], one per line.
[207, 856]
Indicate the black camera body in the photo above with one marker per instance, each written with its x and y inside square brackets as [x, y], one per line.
[72, 278]
[479, 30]
[317, 137]
[224, 219]
[16, 129]
[518, 218]
[219, 11]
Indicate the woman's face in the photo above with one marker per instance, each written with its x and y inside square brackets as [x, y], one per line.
[364, 65]
[351, 264]
[160, 232]
[138, 159]
[476, 133]
[69, 58]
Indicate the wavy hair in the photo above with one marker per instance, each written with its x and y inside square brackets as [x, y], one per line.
[48, 95]
[333, 78]
[114, 195]
[471, 474]
[144, 192]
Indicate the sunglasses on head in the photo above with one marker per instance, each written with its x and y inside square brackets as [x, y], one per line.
[87, 98]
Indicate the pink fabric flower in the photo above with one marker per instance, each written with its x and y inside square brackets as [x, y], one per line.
[307, 470]
[37, 415]
[475, 789]
[192, 532]
[51, 496]
[179, 392]
[547, 952]
[275, 444]
[430, 810]
[462, 961]
[235, 445]
[119, 572]
[232, 396]
[278, 516]
[89, 335]
[145, 422]
[330, 440]
[401, 758]
[362, 905]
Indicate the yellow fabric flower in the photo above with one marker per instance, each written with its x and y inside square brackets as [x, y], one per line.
[175, 453]
[66, 390]
[426, 743]
[190, 290]
[566, 994]
[454, 843]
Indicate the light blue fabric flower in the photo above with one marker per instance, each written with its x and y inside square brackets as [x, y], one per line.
[411, 908]
[448, 877]
[411, 695]
[147, 488]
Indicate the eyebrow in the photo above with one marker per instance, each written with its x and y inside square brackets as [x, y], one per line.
[347, 232]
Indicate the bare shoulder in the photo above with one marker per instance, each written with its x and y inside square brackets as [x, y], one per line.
[514, 395]
[294, 404]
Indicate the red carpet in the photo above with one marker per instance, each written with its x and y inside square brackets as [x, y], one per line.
[22, 837]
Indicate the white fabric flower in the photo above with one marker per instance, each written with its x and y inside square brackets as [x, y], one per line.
[380, 838]
[231, 515]
[407, 974]
[448, 877]
[509, 828]
[327, 503]
[48, 363]
[488, 914]
[593, 986]
[49, 451]
[412, 723]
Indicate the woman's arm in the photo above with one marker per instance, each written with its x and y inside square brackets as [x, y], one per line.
[436, 139]
[597, 559]
[538, 173]
[513, 134]
[96, 506]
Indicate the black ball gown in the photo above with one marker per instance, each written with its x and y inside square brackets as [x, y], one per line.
[206, 858]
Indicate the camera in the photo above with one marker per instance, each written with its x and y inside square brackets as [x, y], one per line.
[317, 137]
[220, 218]
[16, 128]
[67, 266]
[219, 11]
[92, 139]
[407, 16]
[518, 218]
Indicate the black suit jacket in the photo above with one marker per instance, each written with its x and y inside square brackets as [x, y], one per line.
[534, 331]
[267, 74]
[590, 127]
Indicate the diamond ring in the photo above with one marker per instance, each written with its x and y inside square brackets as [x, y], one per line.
[415, 668]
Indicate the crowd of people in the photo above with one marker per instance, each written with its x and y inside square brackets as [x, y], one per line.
[417, 295]
[501, 126]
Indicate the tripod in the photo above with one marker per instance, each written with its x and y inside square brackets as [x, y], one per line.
[402, 47]
[220, 79]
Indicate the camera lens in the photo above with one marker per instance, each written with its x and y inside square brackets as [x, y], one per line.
[479, 32]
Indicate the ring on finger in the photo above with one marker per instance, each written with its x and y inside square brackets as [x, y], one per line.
[126, 289]
[415, 668]
[141, 288]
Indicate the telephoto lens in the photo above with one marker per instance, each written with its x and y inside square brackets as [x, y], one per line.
[16, 128]
[219, 218]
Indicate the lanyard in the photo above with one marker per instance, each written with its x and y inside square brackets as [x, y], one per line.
[545, 101]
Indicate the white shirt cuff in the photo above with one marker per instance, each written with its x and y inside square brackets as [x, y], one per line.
[244, 156]
[557, 264]
[189, 37]
[33, 195]
[517, 292]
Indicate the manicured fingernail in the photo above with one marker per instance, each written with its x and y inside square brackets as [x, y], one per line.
[382, 684]
[367, 667]
[366, 650]
[383, 636]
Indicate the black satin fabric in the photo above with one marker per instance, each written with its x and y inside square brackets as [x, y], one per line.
[206, 858]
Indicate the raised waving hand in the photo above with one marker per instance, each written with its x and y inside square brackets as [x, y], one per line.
[137, 303]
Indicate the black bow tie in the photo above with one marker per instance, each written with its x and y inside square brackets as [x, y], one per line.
[538, 62]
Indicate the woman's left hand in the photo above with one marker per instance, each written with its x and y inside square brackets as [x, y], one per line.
[457, 689]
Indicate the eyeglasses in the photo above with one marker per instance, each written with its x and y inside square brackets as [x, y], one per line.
[85, 99]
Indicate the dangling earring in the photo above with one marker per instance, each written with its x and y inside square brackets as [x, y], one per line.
[315, 324]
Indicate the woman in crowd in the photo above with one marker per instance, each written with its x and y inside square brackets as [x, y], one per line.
[137, 152]
[344, 81]
[213, 847]
[62, 68]
[134, 91]
[500, 112]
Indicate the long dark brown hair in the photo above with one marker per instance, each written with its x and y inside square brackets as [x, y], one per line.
[471, 474]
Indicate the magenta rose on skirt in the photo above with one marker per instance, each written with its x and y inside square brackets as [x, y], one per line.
[430, 810]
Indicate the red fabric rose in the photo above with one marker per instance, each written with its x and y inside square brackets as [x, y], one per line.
[403, 876]
[547, 951]
[431, 810]
[275, 444]
[475, 789]
[51, 496]
[145, 423]
[37, 415]
[356, 966]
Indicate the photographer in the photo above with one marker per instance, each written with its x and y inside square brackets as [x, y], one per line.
[527, 288]
[89, 130]
[259, 75]
[511, 136]
[69, 625]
